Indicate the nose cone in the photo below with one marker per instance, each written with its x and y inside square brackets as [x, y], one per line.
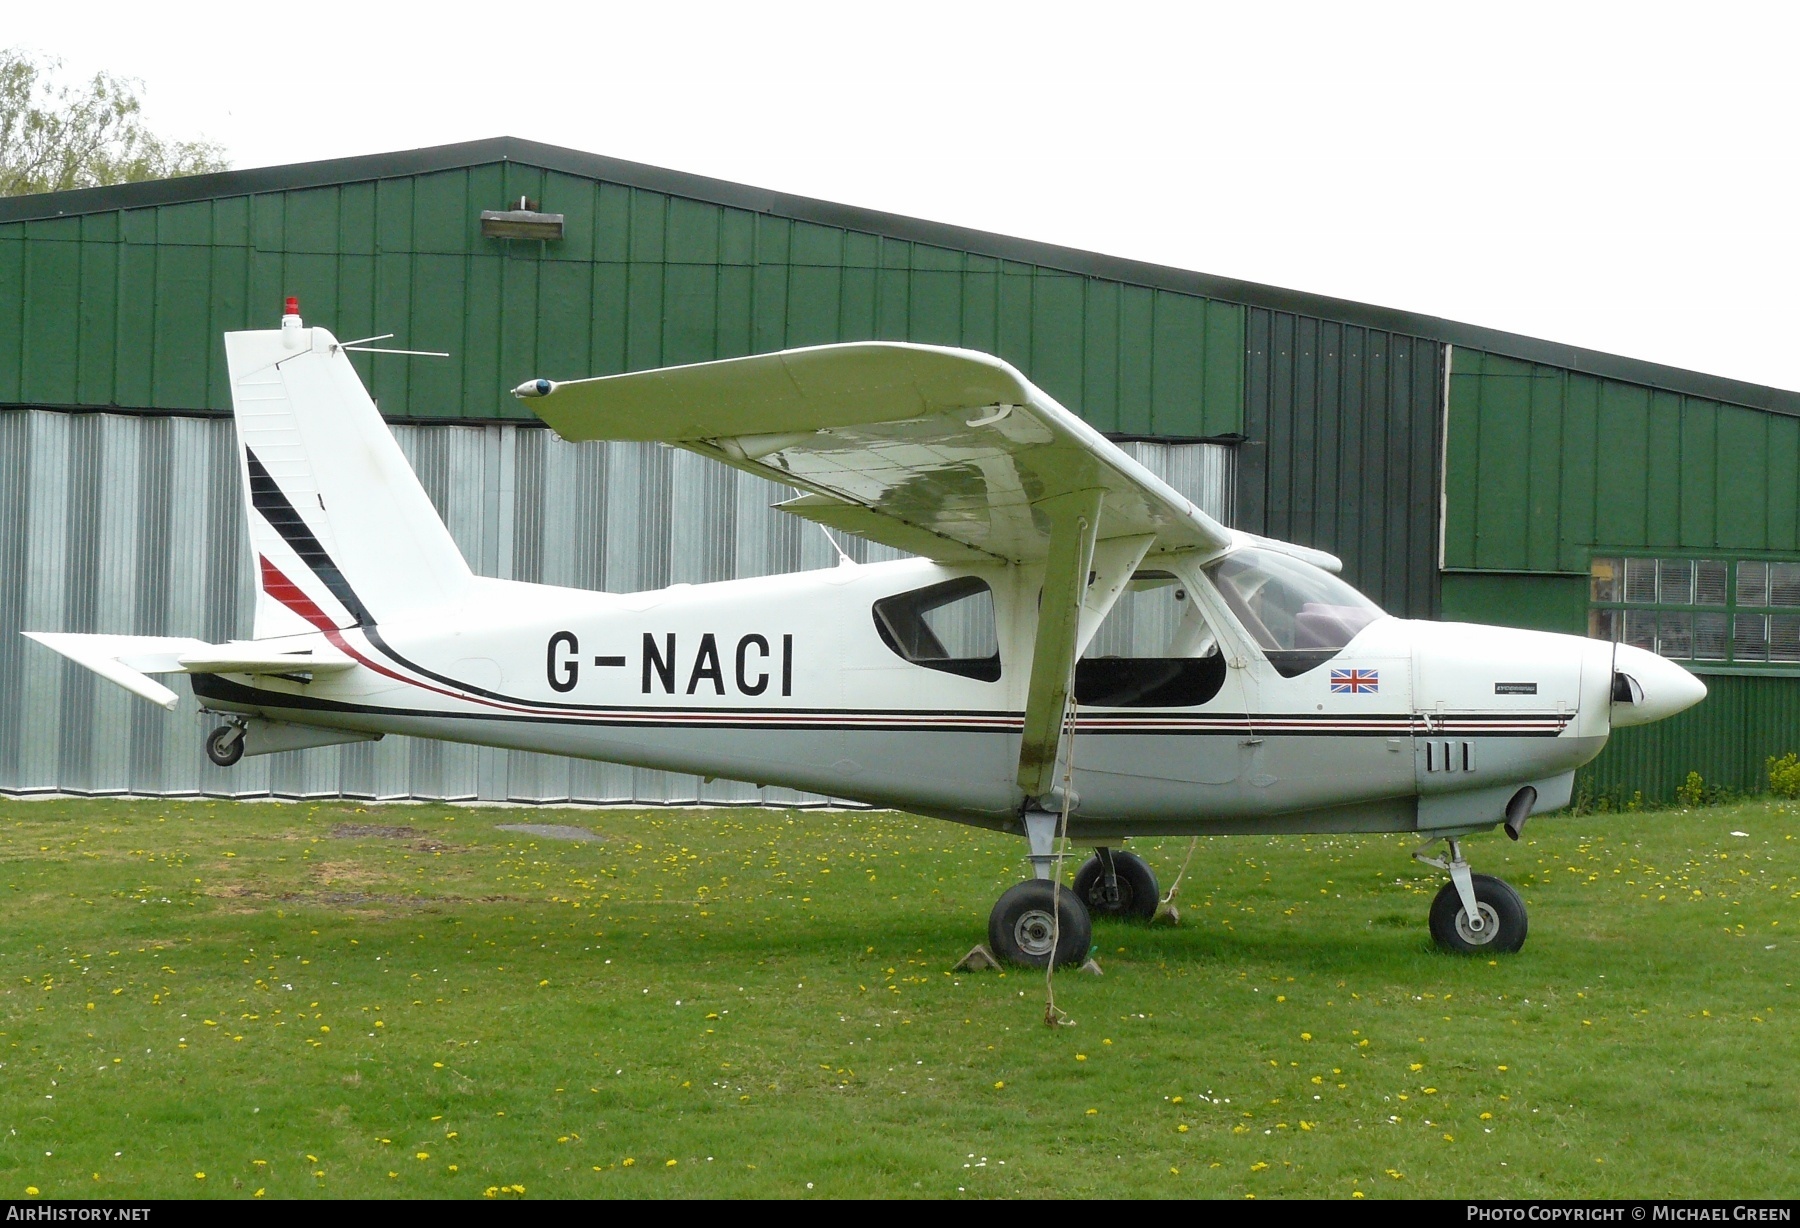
[1647, 687]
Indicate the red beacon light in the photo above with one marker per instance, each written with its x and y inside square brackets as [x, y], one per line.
[290, 324]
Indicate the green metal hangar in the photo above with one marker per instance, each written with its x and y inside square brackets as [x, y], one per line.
[1459, 472]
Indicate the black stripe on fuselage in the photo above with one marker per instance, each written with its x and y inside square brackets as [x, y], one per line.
[214, 686]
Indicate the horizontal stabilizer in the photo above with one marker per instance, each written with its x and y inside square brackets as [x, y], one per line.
[240, 657]
[127, 660]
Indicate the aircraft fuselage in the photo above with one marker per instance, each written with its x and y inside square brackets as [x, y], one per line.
[787, 680]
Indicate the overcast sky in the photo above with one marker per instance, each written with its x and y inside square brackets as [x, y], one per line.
[1614, 176]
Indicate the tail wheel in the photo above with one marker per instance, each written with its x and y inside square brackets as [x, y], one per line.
[1502, 912]
[1132, 895]
[225, 745]
[1034, 918]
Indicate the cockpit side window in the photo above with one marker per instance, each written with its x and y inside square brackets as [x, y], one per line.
[1153, 650]
[1300, 615]
[948, 627]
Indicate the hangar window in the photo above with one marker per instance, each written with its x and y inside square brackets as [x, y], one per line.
[948, 627]
[1154, 649]
[1725, 610]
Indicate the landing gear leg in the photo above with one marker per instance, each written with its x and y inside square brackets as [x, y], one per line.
[1036, 922]
[1473, 913]
[1040, 830]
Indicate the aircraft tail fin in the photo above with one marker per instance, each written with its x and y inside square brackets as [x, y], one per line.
[341, 531]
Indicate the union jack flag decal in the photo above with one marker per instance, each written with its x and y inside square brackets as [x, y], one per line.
[1355, 681]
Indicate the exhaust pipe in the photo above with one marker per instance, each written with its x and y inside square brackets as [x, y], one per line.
[1519, 808]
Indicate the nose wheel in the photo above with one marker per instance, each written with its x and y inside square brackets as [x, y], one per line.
[1474, 913]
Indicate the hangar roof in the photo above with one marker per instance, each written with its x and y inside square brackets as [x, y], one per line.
[369, 167]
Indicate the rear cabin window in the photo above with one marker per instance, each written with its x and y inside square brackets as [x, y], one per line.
[1153, 650]
[948, 627]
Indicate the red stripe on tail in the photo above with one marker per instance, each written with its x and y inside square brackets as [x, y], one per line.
[288, 594]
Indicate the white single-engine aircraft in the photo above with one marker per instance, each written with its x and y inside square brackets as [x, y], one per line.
[967, 683]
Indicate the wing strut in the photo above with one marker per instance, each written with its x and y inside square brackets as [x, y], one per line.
[1074, 523]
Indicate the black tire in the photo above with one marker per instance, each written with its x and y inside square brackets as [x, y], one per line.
[1020, 927]
[225, 745]
[1500, 906]
[1136, 894]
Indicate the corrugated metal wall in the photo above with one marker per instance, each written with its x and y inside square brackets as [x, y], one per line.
[1544, 465]
[134, 524]
[1342, 450]
[125, 308]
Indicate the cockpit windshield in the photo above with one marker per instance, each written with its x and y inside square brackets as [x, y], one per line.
[1300, 615]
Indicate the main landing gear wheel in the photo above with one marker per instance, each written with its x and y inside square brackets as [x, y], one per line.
[1502, 928]
[225, 745]
[1034, 916]
[1128, 893]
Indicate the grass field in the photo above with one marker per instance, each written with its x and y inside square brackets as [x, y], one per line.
[233, 999]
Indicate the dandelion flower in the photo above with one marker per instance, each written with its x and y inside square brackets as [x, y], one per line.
[1306, 1036]
[671, 1163]
[1092, 1112]
[31, 1191]
[1181, 1129]
[628, 1162]
[1000, 1084]
[199, 1176]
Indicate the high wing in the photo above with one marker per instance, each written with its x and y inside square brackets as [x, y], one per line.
[946, 453]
